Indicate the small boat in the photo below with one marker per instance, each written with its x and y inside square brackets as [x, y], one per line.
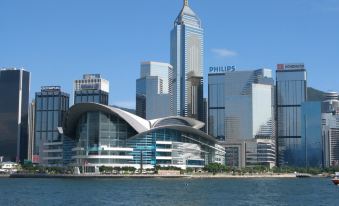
[335, 180]
[302, 175]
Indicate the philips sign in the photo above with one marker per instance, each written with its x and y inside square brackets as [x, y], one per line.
[222, 69]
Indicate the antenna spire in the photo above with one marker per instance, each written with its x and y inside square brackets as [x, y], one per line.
[185, 2]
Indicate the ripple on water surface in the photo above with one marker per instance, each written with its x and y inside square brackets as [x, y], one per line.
[185, 192]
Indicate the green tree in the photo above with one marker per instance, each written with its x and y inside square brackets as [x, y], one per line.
[215, 168]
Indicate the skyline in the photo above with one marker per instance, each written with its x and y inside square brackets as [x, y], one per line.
[49, 39]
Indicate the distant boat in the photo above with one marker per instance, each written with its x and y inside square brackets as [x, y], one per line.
[335, 180]
[302, 175]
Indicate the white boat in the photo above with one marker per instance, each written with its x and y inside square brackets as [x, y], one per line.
[335, 180]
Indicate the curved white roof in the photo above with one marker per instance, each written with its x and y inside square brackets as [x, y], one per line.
[139, 124]
[189, 122]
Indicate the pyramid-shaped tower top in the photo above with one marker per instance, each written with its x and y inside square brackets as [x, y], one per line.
[187, 17]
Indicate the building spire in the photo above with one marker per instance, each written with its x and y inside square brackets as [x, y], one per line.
[185, 2]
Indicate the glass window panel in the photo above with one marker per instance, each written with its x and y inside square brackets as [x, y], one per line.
[38, 121]
[221, 95]
[221, 123]
[56, 136]
[43, 137]
[50, 103]
[55, 120]
[56, 103]
[96, 99]
[49, 136]
[44, 121]
[77, 99]
[39, 103]
[44, 103]
[84, 99]
[213, 95]
[50, 120]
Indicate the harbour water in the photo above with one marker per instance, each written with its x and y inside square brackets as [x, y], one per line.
[185, 192]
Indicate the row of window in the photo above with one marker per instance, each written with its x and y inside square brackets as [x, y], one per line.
[52, 102]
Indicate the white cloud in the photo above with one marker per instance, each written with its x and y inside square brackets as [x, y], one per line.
[125, 104]
[224, 53]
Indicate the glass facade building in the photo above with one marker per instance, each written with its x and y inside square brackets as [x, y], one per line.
[113, 137]
[291, 92]
[187, 59]
[92, 88]
[216, 105]
[241, 116]
[330, 137]
[311, 140]
[51, 107]
[153, 88]
[241, 105]
[330, 130]
[14, 104]
[171, 147]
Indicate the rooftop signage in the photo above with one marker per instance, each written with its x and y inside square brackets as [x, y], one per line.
[50, 88]
[89, 86]
[221, 69]
[290, 66]
[91, 76]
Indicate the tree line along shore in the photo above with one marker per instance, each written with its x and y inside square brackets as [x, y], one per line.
[213, 170]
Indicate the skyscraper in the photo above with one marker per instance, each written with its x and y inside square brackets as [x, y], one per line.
[330, 137]
[241, 116]
[241, 104]
[92, 88]
[154, 88]
[51, 106]
[14, 101]
[291, 92]
[187, 56]
[330, 130]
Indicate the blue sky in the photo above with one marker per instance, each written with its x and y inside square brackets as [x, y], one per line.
[58, 41]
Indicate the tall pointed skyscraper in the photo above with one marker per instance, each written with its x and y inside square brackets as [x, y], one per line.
[187, 52]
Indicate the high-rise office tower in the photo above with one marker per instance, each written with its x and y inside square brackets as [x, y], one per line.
[14, 101]
[154, 96]
[92, 88]
[291, 92]
[241, 104]
[187, 56]
[51, 106]
[241, 115]
[330, 130]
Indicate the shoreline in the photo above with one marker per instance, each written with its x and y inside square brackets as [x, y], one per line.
[255, 176]
[140, 176]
